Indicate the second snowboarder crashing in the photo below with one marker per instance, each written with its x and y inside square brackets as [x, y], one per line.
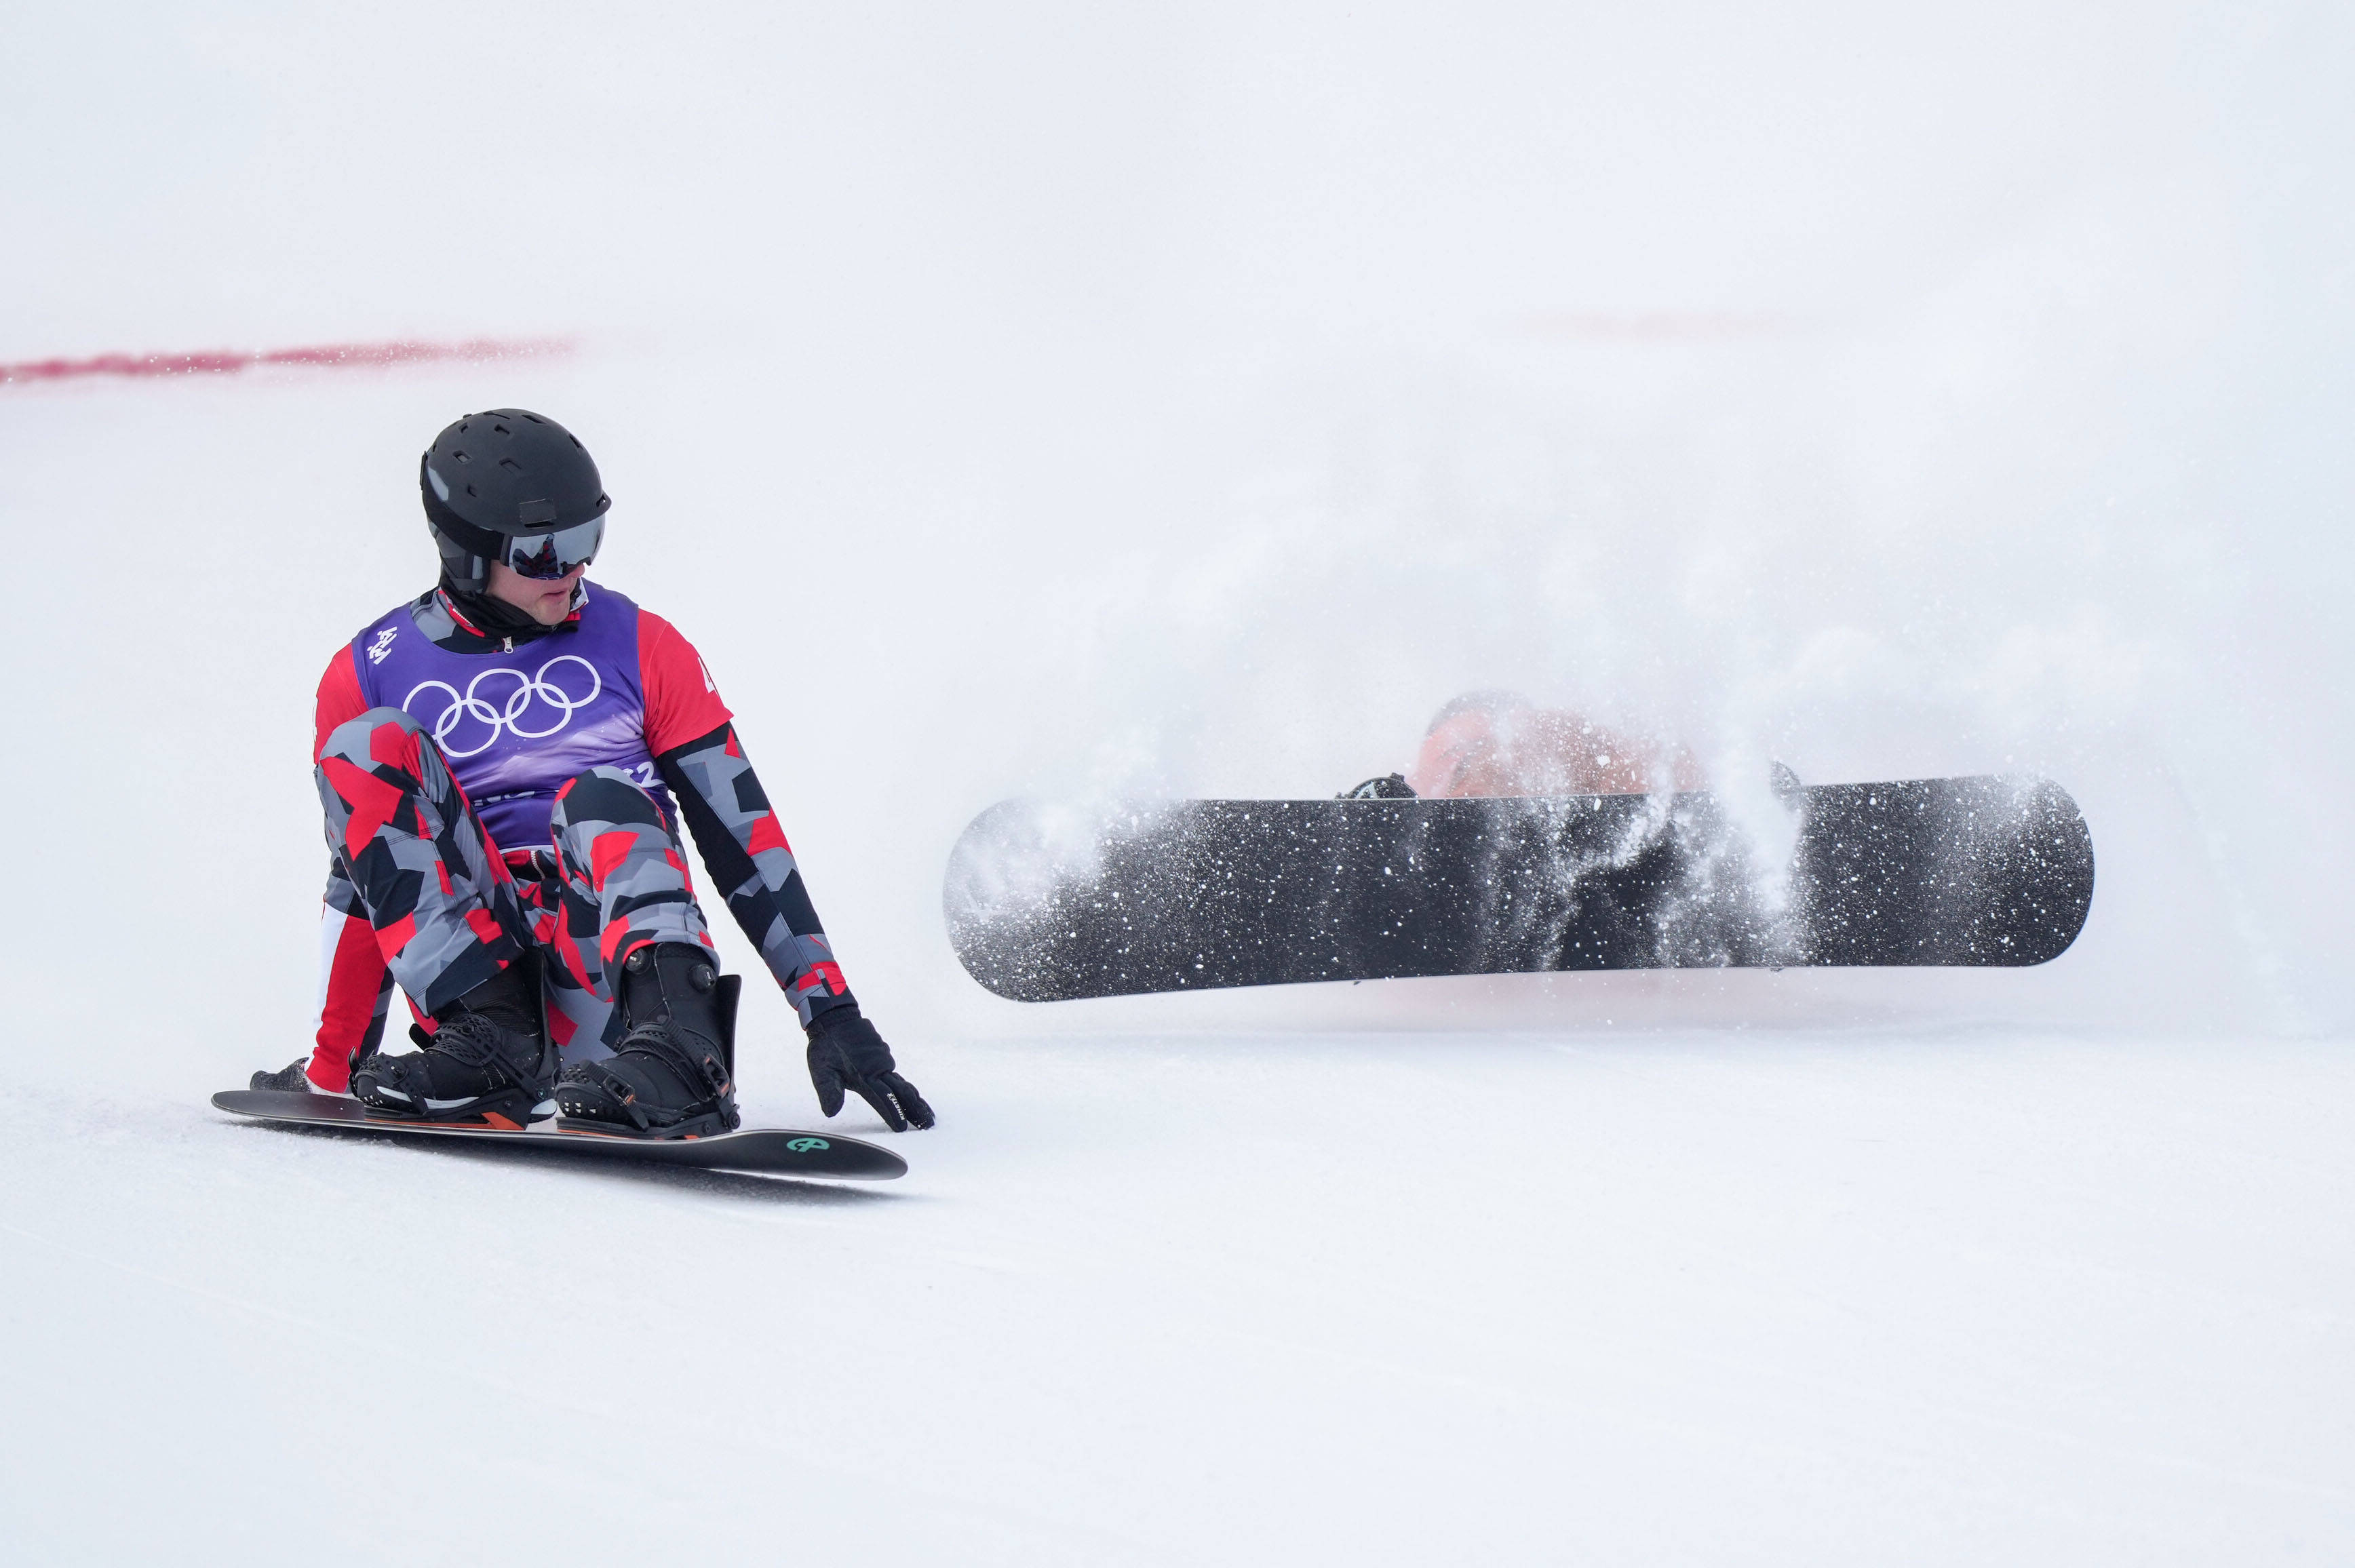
[504, 763]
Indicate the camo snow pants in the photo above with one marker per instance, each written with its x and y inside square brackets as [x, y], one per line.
[447, 910]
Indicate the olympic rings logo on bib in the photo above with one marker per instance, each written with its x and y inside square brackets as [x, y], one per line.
[471, 713]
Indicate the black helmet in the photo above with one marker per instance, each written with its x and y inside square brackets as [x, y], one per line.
[511, 486]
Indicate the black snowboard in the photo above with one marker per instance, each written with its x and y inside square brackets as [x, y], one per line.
[770, 1150]
[1046, 904]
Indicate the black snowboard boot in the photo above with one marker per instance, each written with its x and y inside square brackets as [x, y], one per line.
[488, 1059]
[674, 1073]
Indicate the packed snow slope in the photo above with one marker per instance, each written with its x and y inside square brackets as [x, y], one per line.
[1078, 401]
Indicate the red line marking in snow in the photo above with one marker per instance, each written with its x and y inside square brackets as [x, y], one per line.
[332, 356]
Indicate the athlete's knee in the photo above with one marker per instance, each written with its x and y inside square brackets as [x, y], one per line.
[606, 795]
[378, 735]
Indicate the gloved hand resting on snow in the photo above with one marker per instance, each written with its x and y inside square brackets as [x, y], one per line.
[845, 1053]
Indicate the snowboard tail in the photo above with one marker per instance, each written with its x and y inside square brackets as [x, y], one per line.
[768, 1150]
[1046, 904]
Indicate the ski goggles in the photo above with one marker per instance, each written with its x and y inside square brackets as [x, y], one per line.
[559, 552]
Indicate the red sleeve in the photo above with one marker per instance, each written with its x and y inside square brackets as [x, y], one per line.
[339, 698]
[352, 997]
[682, 702]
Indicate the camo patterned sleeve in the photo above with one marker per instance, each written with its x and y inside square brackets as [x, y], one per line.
[735, 829]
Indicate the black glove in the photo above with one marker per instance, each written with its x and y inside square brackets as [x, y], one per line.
[845, 1053]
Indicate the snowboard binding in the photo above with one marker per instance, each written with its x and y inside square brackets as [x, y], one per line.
[1389, 787]
[673, 1074]
[490, 1058]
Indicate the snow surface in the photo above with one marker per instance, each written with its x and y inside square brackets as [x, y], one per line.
[1080, 401]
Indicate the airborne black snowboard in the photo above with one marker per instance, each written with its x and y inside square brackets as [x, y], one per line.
[769, 1150]
[1047, 905]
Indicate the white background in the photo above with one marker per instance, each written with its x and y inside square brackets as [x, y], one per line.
[1083, 400]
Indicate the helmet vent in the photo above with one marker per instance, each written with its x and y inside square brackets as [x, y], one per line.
[511, 463]
[502, 430]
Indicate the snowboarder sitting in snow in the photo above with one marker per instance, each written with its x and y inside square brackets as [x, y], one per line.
[1497, 744]
[504, 763]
